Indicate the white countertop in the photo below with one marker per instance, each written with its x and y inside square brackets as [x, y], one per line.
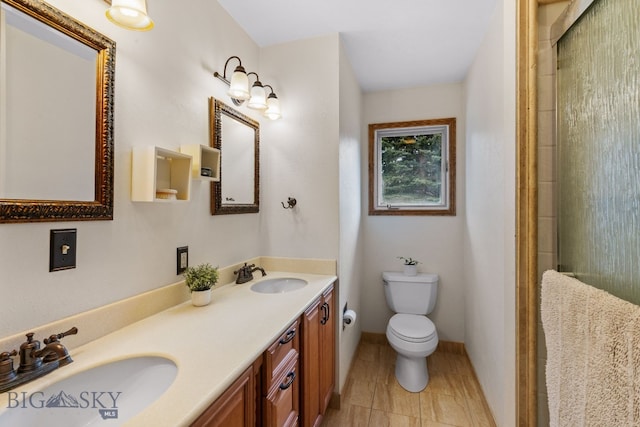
[210, 345]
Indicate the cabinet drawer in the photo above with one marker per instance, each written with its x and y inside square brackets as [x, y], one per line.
[282, 405]
[276, 354]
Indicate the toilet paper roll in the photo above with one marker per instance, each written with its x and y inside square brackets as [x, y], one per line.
[349, 317]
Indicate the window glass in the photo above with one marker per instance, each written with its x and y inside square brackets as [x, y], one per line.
[411, 168]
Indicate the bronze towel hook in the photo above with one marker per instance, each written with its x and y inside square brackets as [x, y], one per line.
[291, 203]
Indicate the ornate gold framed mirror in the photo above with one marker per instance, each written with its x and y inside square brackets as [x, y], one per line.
[238, 139]
[56, 116]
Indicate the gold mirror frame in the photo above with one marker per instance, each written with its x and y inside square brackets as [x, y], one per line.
[216, 110]
[101, 208]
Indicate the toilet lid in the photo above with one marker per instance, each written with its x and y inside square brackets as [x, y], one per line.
[412, 327]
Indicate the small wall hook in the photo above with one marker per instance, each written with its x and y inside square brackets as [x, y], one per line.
[291, 202]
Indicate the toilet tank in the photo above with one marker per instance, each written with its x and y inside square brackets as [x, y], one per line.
[410, 294]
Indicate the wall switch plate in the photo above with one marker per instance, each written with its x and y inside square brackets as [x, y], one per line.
[182, 259]
[62, 249]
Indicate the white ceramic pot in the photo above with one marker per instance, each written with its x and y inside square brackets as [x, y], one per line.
[410, 270]
[201, 298]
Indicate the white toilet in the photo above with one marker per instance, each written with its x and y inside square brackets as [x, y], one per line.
[411, 334]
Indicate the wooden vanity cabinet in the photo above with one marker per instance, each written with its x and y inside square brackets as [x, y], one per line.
[291, 383]
[236, 407]
[317, 358]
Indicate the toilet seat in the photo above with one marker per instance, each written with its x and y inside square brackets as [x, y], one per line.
[412, 328]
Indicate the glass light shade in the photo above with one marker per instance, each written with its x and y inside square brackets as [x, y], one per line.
[239, 86]
[258, 100]
[273, 108]
[130, 14]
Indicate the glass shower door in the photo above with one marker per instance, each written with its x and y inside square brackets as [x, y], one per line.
[598, 162]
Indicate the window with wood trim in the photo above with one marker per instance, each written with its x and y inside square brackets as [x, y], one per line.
[412, 167]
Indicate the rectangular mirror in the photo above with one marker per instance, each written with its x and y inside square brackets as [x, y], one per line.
[238, 138]
[56, 116]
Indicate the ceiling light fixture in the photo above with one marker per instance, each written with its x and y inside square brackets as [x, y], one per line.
[239, 91]
[129, 14]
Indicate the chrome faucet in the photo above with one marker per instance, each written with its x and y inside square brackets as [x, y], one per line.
[34, 361]
[245, 273]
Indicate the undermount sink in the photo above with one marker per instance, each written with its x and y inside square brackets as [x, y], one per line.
[279, 285]
[113, 392]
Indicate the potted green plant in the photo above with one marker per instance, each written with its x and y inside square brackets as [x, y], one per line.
[410, 266]
[200, 279]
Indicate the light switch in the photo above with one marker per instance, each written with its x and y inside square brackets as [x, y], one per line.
[62, 249]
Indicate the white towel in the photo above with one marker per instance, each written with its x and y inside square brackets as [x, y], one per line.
[593, 354]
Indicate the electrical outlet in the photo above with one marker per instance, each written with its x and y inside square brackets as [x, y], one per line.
[182, 259]
[62, 249]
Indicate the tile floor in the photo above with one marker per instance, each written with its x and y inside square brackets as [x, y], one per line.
[373, 397]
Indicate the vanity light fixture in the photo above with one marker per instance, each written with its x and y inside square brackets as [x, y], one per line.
[129, 14]
[273, 106]
[258, 100]
[239, 91]
[239, 84]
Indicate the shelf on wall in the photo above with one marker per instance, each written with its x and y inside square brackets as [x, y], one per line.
[205, 159]
[160, 175]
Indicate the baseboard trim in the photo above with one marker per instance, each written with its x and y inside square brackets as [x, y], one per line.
[452, 347]
[484, 397]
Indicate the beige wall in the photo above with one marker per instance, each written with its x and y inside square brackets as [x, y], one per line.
[300, 155]
[435, 241]
[489, 243]
[351, 247]
[163, 80]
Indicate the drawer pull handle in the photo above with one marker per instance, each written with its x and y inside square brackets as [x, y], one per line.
[326, 310]
[290, 377]
[290, 335]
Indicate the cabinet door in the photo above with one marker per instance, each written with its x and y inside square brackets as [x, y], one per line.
[282, 403]
[310, 412]
[236, 406]
[327, 349]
